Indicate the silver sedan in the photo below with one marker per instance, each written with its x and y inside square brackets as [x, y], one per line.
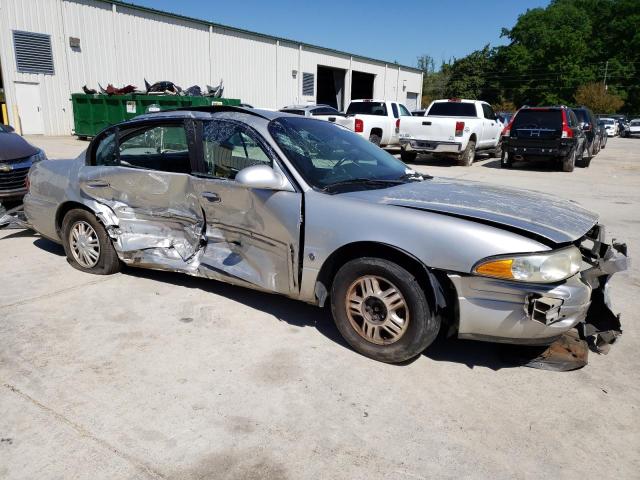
[302, 208]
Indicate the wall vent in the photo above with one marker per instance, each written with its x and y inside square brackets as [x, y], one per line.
[307, 84]
[33, 52]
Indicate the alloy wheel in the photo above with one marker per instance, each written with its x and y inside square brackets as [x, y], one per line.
[377, 310]
[84, 244]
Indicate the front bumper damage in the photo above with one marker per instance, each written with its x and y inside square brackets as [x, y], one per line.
[602, 326]
[533, 314]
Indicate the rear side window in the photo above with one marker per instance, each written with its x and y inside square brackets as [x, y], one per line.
[394, 107]
[161, 147]
[488, 112]
[537, 123]
[452, 109]
[404, 111]
[367, 108]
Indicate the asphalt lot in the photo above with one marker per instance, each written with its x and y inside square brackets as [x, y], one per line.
[157, 375]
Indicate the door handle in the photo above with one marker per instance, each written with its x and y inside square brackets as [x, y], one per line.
[98, 184]
[211, 196]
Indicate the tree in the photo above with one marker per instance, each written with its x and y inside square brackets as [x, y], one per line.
[595, 96]
[433, 82]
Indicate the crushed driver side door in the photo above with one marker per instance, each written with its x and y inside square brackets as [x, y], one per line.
[252, 235]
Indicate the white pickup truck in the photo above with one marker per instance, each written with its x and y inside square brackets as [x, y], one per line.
[455, 128]
[375, 120]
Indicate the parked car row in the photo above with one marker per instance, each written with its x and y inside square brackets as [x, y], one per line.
[564, 135]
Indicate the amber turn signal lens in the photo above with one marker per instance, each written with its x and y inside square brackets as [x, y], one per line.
[496, 268]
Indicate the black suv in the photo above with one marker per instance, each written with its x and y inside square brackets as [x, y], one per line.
[589, 123]
[550, 133]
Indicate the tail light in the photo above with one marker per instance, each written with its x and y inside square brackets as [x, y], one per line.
[397, 125]
[359, 126]
[506, 131]
[566, 131]
[459, 128]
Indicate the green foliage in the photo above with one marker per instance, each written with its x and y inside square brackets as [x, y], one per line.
[552, 52]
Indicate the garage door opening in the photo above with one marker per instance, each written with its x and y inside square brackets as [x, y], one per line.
[330, 87]
[362, 85]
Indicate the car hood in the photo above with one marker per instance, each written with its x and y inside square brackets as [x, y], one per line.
[537, 214]
[14, 147]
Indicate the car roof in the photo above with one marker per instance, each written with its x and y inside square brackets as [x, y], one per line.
[212, 111]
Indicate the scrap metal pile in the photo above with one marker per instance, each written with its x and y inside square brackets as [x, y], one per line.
[158, 88]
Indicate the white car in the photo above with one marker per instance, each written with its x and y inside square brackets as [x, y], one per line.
[454, 127]
[611, 126]
[376, 120]
[634, 126]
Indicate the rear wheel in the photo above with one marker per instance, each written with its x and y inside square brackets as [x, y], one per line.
[408, 156]
[381, 310]
[87, 245]
[569, 162]
[497, 153]
[375, 138]
[468, 156]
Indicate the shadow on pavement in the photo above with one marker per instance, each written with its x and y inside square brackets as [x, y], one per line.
[293, 312]
[49, 246]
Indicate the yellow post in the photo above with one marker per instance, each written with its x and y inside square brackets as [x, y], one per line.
[16, 119]
[5, 116]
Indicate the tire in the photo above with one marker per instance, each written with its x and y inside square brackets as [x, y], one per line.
[569, 162]
[375, 139]
[408, 157]
[369, 335]
[469, 155]
[107, 261]
[506, 161]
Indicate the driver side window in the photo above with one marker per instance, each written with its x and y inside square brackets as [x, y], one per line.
[229, 148]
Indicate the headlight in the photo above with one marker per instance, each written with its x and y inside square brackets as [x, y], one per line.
[548, 267]
[38, 157]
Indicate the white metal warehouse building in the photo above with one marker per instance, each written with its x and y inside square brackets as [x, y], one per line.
[51, 48]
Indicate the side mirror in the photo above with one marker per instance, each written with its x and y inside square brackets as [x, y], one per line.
[261, 176]
[586, 126]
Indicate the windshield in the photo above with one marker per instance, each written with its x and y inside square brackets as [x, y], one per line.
[367, 108]
[452, 109]
[326, 154]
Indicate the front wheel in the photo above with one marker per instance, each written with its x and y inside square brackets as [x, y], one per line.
[87, 244]
[381, 310]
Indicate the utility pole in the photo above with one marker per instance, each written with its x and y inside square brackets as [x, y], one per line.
[606, 68]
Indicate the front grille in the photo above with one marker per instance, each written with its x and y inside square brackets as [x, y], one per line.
[13, 180]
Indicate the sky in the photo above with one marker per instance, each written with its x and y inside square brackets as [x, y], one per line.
[389, 30]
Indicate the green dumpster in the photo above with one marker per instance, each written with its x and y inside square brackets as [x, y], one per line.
[93, 113]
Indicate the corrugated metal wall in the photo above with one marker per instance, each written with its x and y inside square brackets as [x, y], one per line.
[124, 45]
